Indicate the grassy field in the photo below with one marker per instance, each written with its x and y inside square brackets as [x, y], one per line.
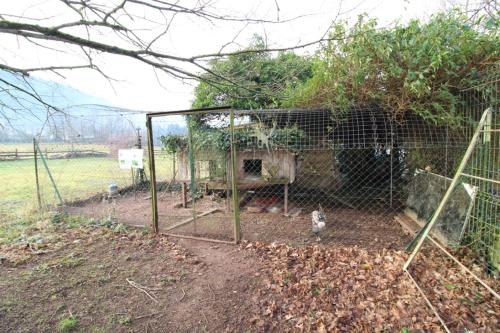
[76, 178]
[50, 147]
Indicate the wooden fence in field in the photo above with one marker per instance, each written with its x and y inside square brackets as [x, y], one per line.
[19, 154]
[60, 154]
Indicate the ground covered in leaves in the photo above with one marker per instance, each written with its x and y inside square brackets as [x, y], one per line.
[349, 289]
[73, 276]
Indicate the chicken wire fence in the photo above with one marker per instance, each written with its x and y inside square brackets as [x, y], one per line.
[361, 168]
[456, 257]
[72, 164]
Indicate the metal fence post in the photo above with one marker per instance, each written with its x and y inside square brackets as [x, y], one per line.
[152, 171]
[37, 181]
[192, 170]
[234, 181]
[56, 190]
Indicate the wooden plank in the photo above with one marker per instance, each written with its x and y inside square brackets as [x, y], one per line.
[191, 219]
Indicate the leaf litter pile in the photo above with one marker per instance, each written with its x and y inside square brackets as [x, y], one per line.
[349, 289]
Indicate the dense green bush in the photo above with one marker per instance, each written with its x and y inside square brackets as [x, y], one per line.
[419, 67]
[252, 80]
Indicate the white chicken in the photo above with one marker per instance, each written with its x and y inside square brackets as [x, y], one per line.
[318, 218]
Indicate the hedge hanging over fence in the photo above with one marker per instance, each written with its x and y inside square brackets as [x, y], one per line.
[419, 67]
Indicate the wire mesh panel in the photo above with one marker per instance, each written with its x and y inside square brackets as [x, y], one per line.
[464, 232]
[17, 180]
[456, 257]
[72, 163]
[358, 169]
[196, 200]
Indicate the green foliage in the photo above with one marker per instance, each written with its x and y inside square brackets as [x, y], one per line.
[67, 324]
[291, 138]
[418, 67]
[252, 80]
[174, 142]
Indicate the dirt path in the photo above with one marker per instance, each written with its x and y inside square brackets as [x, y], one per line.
[128, 282]
[223, 292]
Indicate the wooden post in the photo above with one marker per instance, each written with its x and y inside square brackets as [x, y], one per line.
[152, 175]
[184, 195]
[234, 180]
[286, 198]
[16, 156]
[37, 181]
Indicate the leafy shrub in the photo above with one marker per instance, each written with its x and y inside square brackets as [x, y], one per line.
[419, 67]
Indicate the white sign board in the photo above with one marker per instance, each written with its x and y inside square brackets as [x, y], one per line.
[130, 158]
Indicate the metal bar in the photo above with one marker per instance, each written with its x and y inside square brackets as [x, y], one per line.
[192, 170]
[199, 238]
[227, 109]
[152, 175]
[391, 186]
[190, 111]
[191, 219]
[39, 199]
[428, 302]
[481, 178]
[490, 131]
[234, 180]
[447, 195]
[494, 293]
[61, 202]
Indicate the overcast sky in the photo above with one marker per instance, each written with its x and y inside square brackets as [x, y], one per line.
[136, 86]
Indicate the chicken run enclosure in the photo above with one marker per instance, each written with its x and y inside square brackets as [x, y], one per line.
[260, 174]
[225, 175]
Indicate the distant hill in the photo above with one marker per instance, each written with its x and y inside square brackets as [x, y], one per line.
[83, 116]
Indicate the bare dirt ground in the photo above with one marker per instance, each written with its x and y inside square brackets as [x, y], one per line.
[127, 282]
[345, 226]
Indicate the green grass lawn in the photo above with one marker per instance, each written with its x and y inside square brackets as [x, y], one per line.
[76, 178]
[51, 147]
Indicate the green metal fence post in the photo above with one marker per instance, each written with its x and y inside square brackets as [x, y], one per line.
[37, 181]
[234, 181]
[56, 190]
[192, 170]
[152, 175]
